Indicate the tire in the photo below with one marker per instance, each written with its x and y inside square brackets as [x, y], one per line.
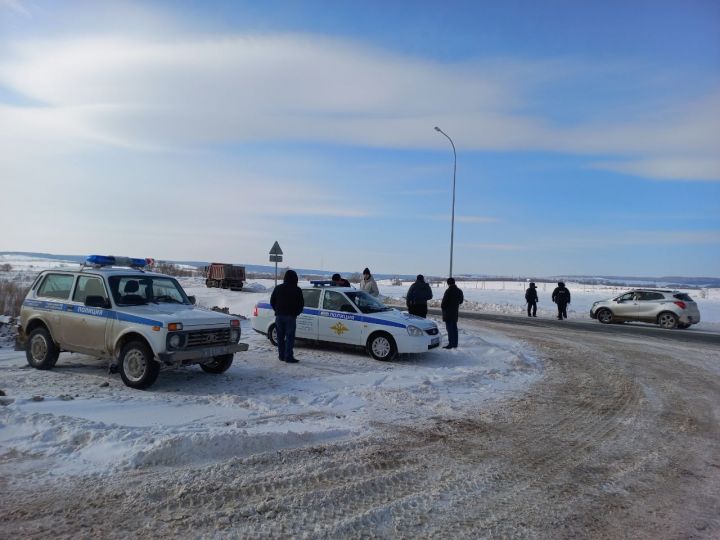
[219, 364]
[41, 351]
[272, 335]
[209, 283]
[137, 367]
[381, 346]
[667, 320]
[605, 316]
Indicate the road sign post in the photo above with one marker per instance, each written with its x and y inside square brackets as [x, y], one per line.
[276, 256]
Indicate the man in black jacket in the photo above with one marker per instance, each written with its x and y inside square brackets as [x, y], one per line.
[417, 297]
[287, 301]
[450, 306]
[561, 296]
[531, 298]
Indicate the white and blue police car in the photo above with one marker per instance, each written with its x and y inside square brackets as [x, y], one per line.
[112, 307]
[353, 317]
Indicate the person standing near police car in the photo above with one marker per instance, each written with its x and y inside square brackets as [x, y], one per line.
[368, 284]
[417, 297]
[450, 306]
[531, 297]
[340, 281]
[288, 303]
[561, 296]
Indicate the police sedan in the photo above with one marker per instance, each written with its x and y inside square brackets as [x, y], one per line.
[353, 317]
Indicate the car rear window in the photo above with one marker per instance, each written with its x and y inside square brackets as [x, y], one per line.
[56, 286]
[684, 297]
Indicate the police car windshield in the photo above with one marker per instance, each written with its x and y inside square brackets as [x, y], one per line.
[139, 290]
[366, 303]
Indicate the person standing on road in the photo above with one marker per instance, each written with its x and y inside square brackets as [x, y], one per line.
[417, 297]
[368, 284]
[450, 306]
[531, 297]
[561, 296]
[288, 303]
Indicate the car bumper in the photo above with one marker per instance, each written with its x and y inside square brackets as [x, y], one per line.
[197, 356]
[20, 339]
[422, 344]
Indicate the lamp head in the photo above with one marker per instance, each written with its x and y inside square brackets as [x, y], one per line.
[437, 129]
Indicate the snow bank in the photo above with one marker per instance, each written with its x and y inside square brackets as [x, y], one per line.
[259, 405]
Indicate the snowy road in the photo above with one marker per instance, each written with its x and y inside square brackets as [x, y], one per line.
[601, 436]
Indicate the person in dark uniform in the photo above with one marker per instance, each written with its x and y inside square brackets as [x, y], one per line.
[340, 281]
[288, 303]
[531, 297]
[450, 306]
[417, 297]
[561, 296]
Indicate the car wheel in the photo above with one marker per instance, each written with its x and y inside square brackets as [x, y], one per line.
[381, 346]
[41, 351]
[137, 367]
[667, 320]
[605, 316]
[219, 364]
[272, 334]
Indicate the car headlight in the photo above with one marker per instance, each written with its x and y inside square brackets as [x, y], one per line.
[175, 341]
[235, 335]
[414, 330]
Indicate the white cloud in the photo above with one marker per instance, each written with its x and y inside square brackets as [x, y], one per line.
[16, 6]
[667, 168]
[183, 90]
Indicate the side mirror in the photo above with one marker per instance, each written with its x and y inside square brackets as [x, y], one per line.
[347, 308]
[97, 301]
[192, 299]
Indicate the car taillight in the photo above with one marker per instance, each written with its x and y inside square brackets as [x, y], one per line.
[255, 311]
[235, 323]
[681, 305]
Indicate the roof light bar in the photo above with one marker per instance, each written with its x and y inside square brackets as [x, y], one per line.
[110, 260]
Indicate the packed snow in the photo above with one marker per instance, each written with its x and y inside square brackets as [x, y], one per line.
[77, 418]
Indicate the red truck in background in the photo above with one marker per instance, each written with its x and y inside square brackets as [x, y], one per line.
[225, 276]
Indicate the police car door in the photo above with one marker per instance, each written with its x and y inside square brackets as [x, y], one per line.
[339, 321]
[307, 323]
[86, 327]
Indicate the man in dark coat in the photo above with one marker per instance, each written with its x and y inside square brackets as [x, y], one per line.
[417, 297]
[450, 306]
[531, 298]
[287, 301]
[561, 296]
[340, 281]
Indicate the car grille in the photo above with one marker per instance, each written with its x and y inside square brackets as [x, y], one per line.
[432, 332]
[205, 338]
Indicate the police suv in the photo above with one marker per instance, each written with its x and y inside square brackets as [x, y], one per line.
[113, 308]
[353, 317]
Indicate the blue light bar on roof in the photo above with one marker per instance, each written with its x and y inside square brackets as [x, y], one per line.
[109, 260]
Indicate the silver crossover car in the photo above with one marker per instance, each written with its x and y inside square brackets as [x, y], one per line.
[669, 309]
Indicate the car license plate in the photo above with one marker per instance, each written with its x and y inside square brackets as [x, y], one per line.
[435, 341]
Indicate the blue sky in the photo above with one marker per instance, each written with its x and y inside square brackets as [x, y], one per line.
[587, 133]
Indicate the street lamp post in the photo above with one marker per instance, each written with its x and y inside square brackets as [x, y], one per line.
[452, 222]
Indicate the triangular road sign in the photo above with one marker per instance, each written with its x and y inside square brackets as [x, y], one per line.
[275, 250]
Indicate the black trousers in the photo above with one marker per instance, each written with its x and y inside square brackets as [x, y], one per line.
[532, 306]
[418, 309]
[562, 310]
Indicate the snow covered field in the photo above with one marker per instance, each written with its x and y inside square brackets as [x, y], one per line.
[78, 419]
